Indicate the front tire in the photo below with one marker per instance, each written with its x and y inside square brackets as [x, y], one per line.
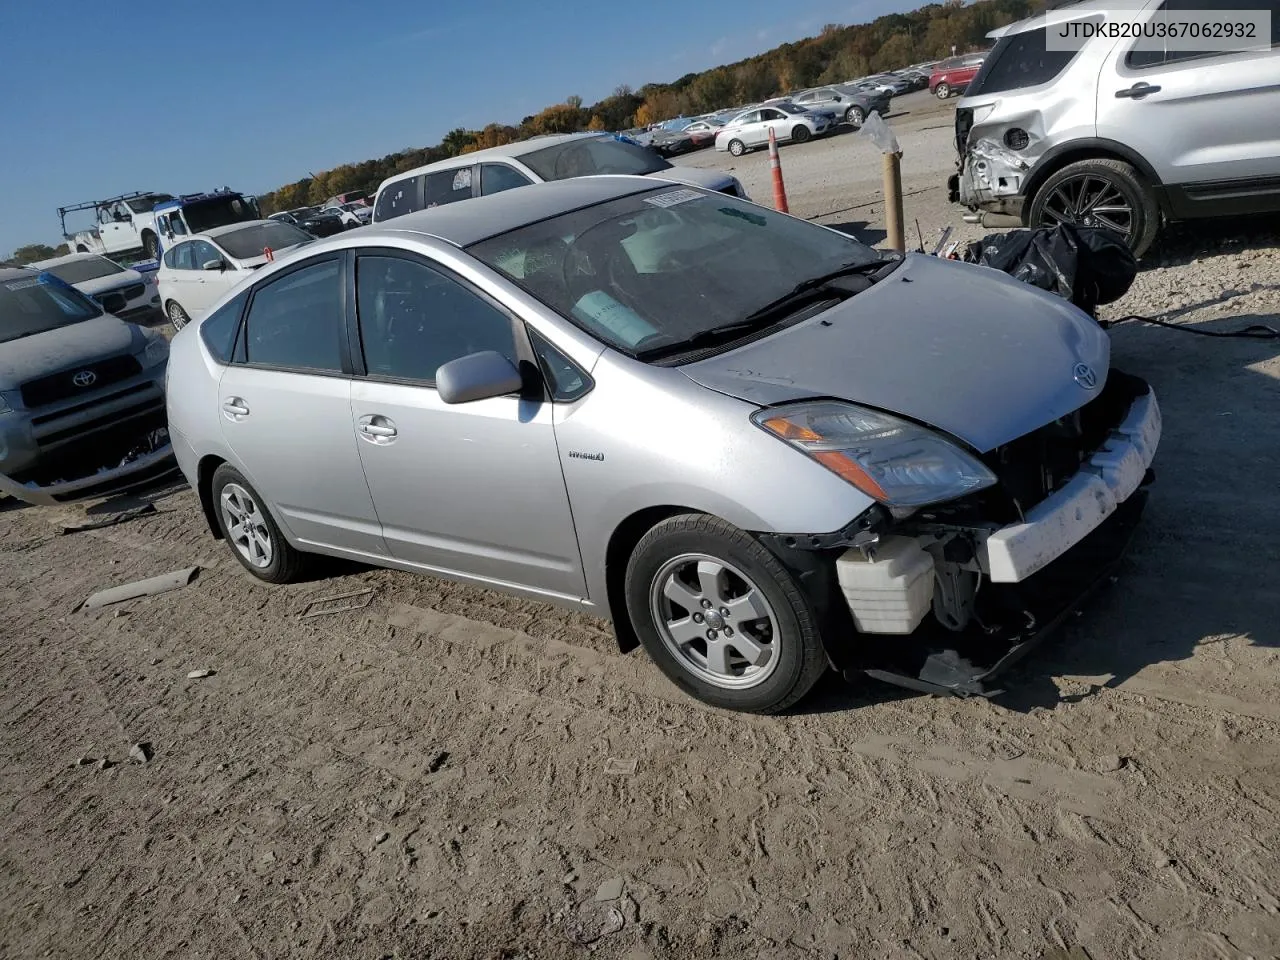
[722, 617]
[800, 133]
[151, 244]
[942, 91]
[177, 316]
[855, 116]
[250, 531]
[737, 147]
[1099, 193]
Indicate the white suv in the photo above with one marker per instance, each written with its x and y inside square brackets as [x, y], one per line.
[1113, 136]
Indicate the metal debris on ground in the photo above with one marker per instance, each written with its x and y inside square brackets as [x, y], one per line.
[627, 768]
[141, 752]
[123, 516]
[200, 674]
[324, 606]
[141, 588]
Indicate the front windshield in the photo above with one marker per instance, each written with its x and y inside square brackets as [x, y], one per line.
[249, 242]
[650, 271]
[586, 156]
[31, 305]
[203, 215]
[144, 204]
[90, 268]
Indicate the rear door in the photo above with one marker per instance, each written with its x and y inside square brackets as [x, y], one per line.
[781, 124]
[1207, 122]
[286, 408]
[473, 489]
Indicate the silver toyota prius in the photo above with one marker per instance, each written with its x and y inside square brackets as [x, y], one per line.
[761, 448]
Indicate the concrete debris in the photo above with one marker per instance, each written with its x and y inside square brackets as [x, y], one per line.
[104, 764]
[609, 890]
[141, 752]
[200, 674]
[615, 767]
[141, 588]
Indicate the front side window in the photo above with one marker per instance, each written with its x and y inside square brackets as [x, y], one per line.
[295, 321]
[448, 186]
[398, 198]
[202, 252]
[90, 268]
[497, 177]
[1018, 61]
[589, 156]
[218, 330]
[184, 256]
[414, 319]
[650, 271]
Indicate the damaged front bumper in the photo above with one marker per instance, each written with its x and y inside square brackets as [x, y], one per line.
[149, 458]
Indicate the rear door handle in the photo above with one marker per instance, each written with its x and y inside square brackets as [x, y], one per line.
[377, 429]
[1137, 91]
[235, 408]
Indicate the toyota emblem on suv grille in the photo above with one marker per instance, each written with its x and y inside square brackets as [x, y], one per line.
[1084, 375]
[87, 378]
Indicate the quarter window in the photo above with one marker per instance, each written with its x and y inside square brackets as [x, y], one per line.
[414, 319]
[496, 177]
[296, 320]
[218, 330]
[1019, 61]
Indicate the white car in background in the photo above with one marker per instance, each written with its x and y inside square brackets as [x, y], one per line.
[195, 273]
[750, 129]
[352, 214]
[120, 291]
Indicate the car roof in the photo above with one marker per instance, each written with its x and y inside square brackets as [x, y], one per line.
[16, 273]
[508, 150]
[68, 258]
[479, 218]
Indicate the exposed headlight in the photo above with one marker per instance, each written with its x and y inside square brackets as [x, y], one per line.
[157, 352]
[895, 461]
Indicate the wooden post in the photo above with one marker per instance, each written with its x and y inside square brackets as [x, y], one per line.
[893, 213]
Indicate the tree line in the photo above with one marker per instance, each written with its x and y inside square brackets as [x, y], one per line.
[838, 53]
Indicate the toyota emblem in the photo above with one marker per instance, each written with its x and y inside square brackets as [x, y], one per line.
[85, 378]
[1084, 375]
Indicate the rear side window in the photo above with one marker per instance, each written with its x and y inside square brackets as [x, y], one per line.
[1139, 59]
[448, 186]
[398, 198]
[1019, 61]
[296, 321]
[219, 329]
[496, 177]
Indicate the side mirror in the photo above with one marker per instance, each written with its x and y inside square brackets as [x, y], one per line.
[216, 264]
[477, 376]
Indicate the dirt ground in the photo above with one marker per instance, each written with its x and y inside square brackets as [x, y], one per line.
[450, 773]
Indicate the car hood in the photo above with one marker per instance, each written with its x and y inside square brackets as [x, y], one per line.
[113, 281]
[54, 350]
[967, 350]
[695, 177]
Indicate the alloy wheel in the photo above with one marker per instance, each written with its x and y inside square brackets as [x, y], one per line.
[1089, 201]
[246, 525]
[715, 621]
[177, 316]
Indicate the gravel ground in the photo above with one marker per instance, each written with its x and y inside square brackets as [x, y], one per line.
[447, 772]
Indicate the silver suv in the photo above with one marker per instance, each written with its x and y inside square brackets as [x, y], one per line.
[1114, 136]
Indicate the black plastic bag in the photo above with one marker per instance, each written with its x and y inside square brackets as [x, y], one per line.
[1089, 266]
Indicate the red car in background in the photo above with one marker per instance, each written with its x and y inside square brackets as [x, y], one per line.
[951, 76]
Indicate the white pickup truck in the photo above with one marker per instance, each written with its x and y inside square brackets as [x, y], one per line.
[124, 228]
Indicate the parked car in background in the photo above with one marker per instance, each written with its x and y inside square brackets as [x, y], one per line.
[312, 220]
[953, 75]
[895, 83]
[703, 132]
[789, 123]
[195, 213]
[125, 226]
[352, 214]
[561, 157]
[814, 466]
[1117, 134]
[878, 87]
[831, 112]
[670, 143]
[81, 394]
[119, 290]
[849, 105]
[351, 196]
[196, 273]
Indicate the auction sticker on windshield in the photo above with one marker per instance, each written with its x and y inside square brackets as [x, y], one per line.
[673, 198]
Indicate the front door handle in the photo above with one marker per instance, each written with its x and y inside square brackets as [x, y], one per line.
[1137, 91]
[235, 408]
[377, 429]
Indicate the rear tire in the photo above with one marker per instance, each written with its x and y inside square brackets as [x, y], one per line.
[1116, 184]
[737, 147]
[800, 133]
[177, 316]
[250, 531]
[855, 116]
[151, 244]
[942, 91]
[722, 617]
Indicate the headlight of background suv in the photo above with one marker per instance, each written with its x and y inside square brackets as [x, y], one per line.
[895, 461]
[157, 352]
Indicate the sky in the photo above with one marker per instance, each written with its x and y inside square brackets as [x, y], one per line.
[190, 96]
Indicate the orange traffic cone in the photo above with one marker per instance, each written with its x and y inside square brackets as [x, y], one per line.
[779, 191]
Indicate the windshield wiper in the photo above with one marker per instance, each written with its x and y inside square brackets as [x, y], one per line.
[873, 269]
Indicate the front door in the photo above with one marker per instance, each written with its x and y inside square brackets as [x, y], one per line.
[777, 120]
[1198, 118]
[117, 230]
[472, 489]
[285, 406]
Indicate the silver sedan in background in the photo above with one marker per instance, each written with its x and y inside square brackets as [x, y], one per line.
[758, 446]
